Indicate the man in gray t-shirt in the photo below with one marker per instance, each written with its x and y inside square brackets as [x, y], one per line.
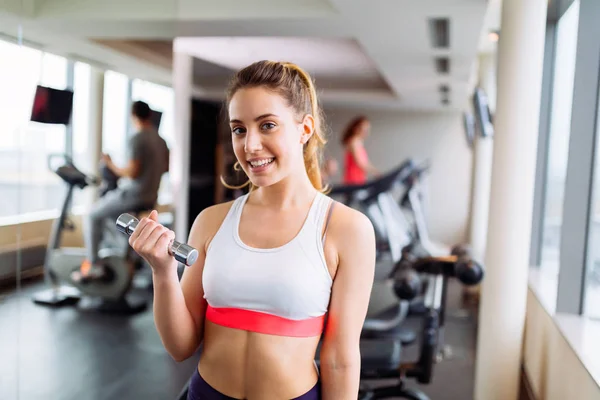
[139, 181]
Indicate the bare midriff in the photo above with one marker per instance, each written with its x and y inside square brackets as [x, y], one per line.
[250, 365]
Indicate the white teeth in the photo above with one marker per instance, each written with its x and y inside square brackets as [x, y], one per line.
[260, 163]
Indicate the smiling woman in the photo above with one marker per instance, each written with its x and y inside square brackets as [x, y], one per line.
[293, 85]
[260, 324]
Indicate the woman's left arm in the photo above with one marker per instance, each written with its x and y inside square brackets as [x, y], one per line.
[354, 239]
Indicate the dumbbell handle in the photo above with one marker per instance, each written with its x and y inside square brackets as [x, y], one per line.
[126, 223]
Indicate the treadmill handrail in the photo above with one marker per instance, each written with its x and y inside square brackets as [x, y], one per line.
[376, 186]
[69, 173]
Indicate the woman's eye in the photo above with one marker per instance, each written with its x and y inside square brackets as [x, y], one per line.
[268, 125]
[237, 131]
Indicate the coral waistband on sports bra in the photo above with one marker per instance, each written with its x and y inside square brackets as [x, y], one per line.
[259, 322]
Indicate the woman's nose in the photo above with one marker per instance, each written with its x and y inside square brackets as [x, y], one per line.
[253, 142]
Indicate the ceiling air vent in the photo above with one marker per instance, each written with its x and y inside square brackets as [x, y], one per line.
[445, 92]
[442, 65]
[439, 29]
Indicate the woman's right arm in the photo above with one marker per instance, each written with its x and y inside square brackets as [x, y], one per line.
[179, 307]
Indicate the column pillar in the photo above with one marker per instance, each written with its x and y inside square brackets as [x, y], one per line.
[482, 165]
[179, 168]
[504, 290]
[95, 123]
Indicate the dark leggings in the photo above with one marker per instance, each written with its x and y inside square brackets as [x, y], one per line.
[199, 389]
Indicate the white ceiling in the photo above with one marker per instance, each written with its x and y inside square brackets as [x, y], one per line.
[491, 23]
[321, 56]
[365, 53]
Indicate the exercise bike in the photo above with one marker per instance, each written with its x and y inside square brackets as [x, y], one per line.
[103, 295]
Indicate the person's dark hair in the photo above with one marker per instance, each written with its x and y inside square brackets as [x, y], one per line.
[296, 87]
[351, 131]
[141, 110]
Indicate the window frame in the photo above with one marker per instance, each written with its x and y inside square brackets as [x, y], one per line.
[579, 188]
[575, 232]
[69, 127]
[541, 173]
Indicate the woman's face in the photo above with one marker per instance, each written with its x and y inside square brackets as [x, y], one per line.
[266, 135]
[364, 129]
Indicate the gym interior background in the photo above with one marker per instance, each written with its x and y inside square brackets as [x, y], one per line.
[519, 184]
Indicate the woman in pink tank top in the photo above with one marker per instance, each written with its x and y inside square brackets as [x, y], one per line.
[356, 161]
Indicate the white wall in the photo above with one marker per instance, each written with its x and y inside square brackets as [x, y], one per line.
[554, 370]
[437, 137]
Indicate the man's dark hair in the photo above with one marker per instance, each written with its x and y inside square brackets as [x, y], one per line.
[141, 110]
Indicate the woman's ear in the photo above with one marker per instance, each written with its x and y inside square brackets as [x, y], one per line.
[308, 128]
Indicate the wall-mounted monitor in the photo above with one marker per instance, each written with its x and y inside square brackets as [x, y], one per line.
[52, 106]
[483, 116]
[469, 126]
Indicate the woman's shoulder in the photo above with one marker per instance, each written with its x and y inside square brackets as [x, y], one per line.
[216, 213]
[351, 237]
[347, 223]
[209, 220]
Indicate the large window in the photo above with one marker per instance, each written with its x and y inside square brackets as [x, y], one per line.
[17, 80]
[28, 186]
[592, 282]
[159, 98]
[81, 129]
[560, 126]
[115, 115]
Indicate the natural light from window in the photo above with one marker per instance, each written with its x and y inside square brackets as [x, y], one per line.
[27, 184]
[560, 127]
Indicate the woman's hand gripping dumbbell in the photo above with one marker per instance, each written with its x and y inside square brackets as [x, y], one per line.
[155, 243]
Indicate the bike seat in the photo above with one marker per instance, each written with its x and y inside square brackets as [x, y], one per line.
[405, 335]
[375, 355]
[387, 319]
[388, 325]
[379, 355]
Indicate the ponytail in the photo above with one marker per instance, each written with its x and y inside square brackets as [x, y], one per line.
[316, 142]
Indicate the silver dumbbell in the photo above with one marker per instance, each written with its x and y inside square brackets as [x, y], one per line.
[126, 223]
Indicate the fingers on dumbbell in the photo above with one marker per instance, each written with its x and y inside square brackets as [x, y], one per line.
[138, 231]
[150, 237]
[144, 230]
[154, 238]
[163, 242]
[133, 239]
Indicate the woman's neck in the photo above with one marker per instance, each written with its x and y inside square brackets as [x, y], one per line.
[287, 193]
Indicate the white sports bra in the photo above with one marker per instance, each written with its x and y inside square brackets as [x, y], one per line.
[281, 291]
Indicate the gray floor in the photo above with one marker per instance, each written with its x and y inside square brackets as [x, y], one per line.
[63, 354]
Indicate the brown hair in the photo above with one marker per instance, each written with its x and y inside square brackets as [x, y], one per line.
[295, 85]
[350, 131]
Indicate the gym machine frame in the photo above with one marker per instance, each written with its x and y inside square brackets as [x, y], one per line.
[458, 266]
